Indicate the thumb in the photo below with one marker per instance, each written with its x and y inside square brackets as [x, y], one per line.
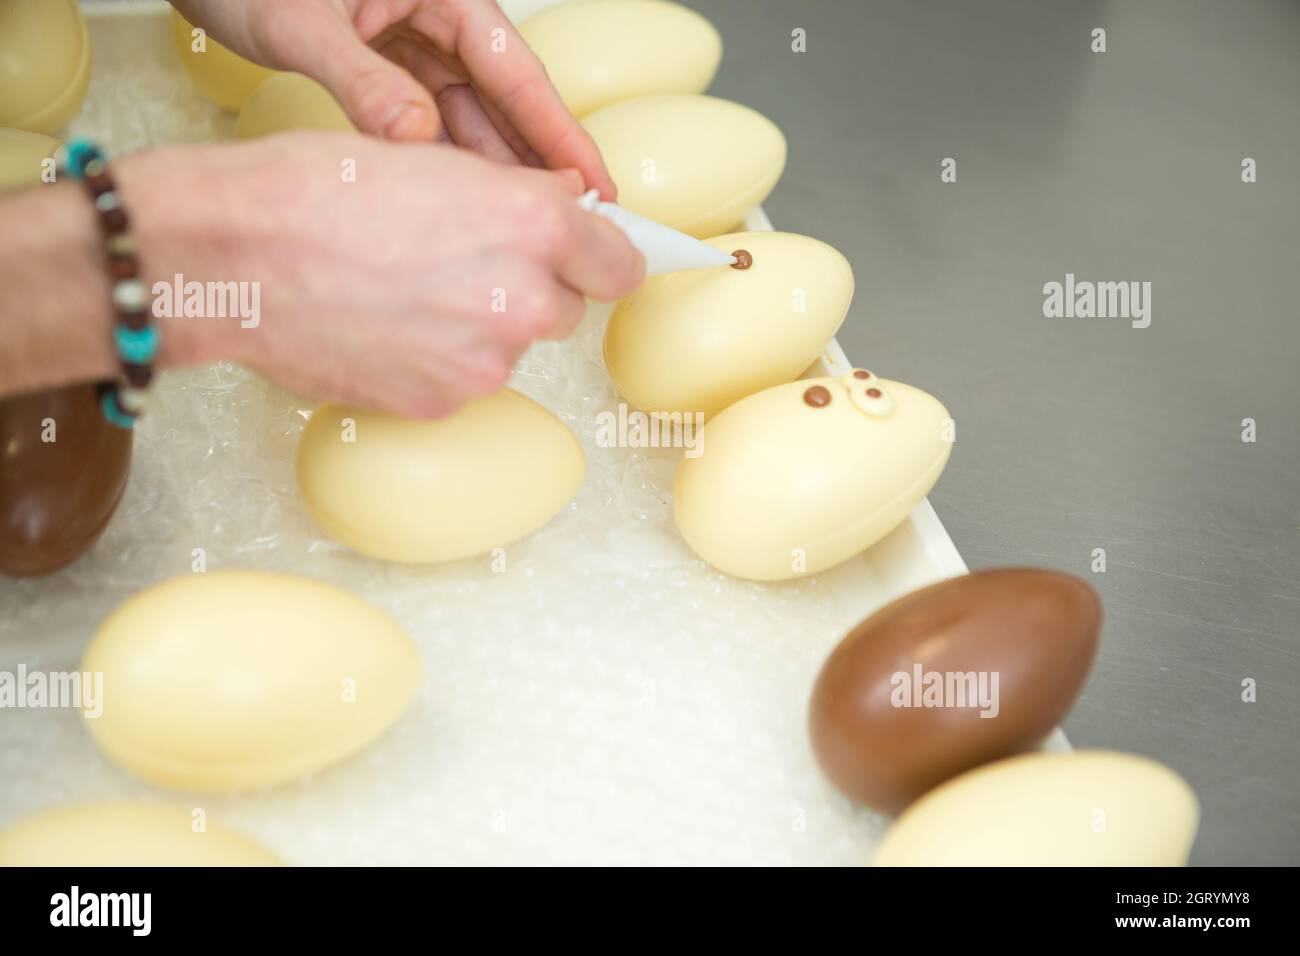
[381, 98]
[570, 180]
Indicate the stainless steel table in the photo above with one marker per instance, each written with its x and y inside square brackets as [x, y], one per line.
[1076, 434]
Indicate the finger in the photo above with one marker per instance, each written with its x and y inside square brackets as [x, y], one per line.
[527, 155]
[570, 180]
[515, 82]
[570, 307]
[469, 126]
[436, 69]
[463, 116]
[420, 400]
[600, 262]
[537, 305]
[567, 179]
[380, 97]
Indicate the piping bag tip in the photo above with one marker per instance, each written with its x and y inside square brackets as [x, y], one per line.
[665, 249]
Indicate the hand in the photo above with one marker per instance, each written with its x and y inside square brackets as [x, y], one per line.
[410, 290]
[417, 70]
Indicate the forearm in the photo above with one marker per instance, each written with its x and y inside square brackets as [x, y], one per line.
[55, 290]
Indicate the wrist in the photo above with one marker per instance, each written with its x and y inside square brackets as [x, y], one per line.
[180, 229]
[207, 214]
[54, 290]
[239, 225]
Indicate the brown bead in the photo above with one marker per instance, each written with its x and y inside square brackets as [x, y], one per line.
[123, 267]
[743, 259]
[861, 373]
[873, 393]
[818, 396]
[135, 321]
[113, 220]
[98, 185]
[138, 375]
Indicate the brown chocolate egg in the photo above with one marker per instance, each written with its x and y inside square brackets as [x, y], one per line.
[972, 669]
[63, 468]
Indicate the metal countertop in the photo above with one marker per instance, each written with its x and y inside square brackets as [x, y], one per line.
[1079, 434]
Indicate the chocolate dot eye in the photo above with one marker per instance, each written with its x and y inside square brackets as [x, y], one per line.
[817, 396]
[743, 259]
[873, 393]
[861, 373]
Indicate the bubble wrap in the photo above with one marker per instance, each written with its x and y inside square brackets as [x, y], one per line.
[606, 699]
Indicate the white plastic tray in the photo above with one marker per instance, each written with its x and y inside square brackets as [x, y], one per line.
[608, 699]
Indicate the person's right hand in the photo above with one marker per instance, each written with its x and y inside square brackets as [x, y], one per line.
[411, 289]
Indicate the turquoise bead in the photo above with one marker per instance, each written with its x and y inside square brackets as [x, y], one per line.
[113, 413]
[136, 346]
[77, 153]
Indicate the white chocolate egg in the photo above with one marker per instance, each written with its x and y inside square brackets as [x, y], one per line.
[1088, 808]
[238, 680]
[125, 834]
[604, 51]
[423, 491]
[221, 75]
[23, 157]
[291, 101]
[696, 163]
[44, 63]
[799, 477]
[699, 340]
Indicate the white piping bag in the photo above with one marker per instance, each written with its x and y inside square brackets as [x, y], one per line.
[665, 249]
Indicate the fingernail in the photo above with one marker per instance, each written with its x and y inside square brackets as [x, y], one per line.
[405, 122]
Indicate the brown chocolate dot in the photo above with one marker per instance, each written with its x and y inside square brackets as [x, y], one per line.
[873, 393]
[743, 259]
[861, 373]
[817, 396]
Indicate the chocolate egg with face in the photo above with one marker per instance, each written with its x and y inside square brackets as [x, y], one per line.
[63, 469]
[698, 340]
[799, 477]
[969, 670]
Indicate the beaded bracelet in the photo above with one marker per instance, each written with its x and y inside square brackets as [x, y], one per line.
[135, 337]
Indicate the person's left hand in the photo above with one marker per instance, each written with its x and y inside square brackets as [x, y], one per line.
[416, 70]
